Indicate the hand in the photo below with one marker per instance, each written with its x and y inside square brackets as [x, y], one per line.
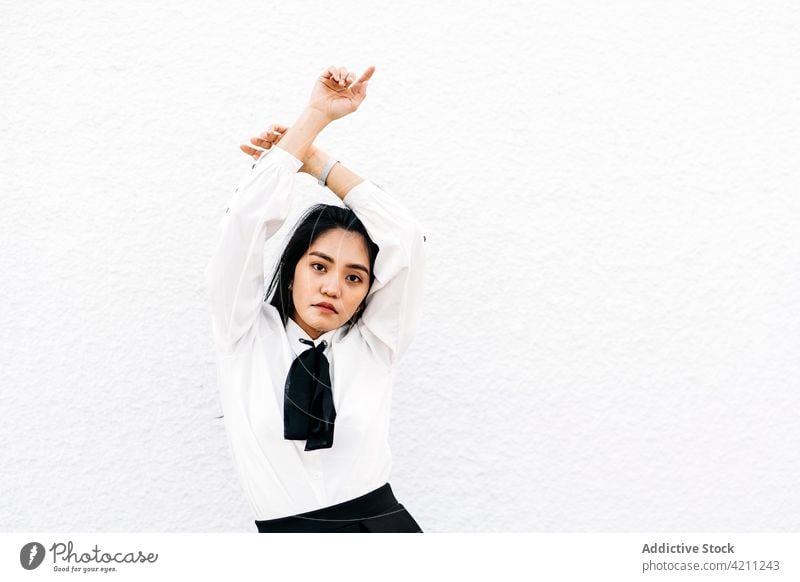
[265, 140]
[334, 93]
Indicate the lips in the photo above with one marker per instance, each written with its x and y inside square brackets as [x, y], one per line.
[326, 305]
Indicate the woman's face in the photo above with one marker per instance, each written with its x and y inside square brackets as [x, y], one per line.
[334, 271]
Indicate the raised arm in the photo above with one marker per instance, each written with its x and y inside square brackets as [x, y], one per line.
[235, 273]
[394, 303]
[260, 205]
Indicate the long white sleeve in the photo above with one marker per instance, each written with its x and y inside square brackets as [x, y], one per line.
[235, 273]
[394, 303]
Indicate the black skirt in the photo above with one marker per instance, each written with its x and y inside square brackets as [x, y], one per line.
[375, 512]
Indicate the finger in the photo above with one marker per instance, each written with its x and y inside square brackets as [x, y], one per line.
[276, 129]
[361, 91]
[365, 76]
[331, 73]
[349, 79]
[342, 75]
[251, 151]
[262, 143]
[272, 135]
[263, 139]
[276, 137]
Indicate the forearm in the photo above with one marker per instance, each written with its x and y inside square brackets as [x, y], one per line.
[340, 179]
[392, 312]
[235, 273]
[300, 136]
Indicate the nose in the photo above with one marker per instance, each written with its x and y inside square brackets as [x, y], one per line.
[331, 287]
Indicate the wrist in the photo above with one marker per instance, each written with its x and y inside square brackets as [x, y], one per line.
[315, 117]
[314, 161]
[302, 133]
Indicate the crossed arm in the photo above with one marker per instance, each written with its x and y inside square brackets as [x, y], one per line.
[298, 141]
[395, 300]
[235, 273]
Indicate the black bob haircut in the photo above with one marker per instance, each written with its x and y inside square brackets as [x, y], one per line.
[317, 220]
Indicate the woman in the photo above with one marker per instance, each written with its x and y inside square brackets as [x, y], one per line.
[306, 377]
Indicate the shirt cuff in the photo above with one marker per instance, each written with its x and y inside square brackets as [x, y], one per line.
[357, 192]
[281, 157]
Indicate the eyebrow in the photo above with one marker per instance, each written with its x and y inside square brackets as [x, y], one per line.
[358, 266]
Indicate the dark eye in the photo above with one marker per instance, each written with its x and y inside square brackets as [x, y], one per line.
[315, 265]
[357, 278]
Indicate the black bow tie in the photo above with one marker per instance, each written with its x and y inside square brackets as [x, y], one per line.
[308, 411]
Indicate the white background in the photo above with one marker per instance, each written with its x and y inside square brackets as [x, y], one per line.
[610, 198]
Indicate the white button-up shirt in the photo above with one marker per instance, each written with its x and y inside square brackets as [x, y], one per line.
[255, 350]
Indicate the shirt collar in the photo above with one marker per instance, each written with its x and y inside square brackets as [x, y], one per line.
[295, 332]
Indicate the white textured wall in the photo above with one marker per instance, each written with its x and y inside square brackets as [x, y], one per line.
[610, 192]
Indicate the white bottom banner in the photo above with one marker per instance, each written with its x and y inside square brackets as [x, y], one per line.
[470, 556]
